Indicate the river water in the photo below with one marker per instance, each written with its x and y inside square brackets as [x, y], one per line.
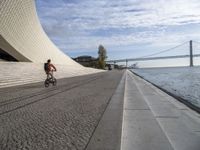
[180, 81]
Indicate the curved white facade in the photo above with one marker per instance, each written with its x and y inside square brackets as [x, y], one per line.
[22, 36]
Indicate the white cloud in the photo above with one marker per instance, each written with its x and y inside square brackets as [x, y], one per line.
[72, 25]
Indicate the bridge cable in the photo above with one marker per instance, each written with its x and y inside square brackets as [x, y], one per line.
[163, 50]
[196, 42]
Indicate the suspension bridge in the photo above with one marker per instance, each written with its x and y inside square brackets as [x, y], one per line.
[153, 56]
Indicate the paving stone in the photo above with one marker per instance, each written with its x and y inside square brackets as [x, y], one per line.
[62, 117]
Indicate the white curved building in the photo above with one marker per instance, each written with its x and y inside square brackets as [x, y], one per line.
[22, 36]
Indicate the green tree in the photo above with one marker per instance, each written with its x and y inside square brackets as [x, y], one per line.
[102, 57]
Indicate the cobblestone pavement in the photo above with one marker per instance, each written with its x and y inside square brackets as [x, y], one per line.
[56, 118]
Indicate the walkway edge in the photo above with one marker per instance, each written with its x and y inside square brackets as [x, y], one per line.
[107, 135]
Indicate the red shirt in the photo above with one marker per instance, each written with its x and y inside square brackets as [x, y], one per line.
[51, 67]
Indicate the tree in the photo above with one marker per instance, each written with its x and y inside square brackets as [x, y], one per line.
[102, 57]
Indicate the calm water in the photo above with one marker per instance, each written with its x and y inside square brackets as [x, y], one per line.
[181, 81]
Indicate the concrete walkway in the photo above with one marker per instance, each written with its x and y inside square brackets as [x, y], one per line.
[61, 117]
[107, 135]
[105, 111]
[152, 120]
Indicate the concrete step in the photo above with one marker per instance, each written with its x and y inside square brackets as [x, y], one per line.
[17, 73]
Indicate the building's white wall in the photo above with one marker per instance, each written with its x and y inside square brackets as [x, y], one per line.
[18, 73]
[22, 36]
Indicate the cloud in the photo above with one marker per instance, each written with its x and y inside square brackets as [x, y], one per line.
[78, 24]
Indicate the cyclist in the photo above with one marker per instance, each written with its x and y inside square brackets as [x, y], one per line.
[49, 68]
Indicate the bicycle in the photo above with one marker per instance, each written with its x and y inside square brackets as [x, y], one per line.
[50, 80]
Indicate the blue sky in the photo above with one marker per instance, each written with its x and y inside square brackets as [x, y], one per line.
[126, 28]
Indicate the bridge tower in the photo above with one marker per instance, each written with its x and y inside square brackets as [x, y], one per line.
[191, 54]
[126, 63]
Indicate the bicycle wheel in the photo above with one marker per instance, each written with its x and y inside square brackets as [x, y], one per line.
[46, 83]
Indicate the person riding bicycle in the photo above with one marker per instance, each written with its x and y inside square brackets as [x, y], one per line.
[49, 68]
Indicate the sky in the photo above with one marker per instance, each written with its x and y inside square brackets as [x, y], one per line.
[126, 28]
